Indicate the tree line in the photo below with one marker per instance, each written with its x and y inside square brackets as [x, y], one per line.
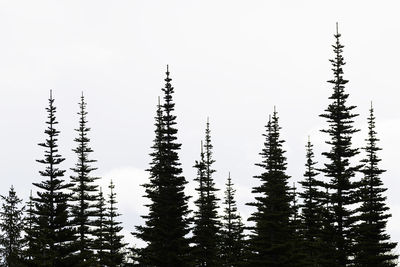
[334, 220]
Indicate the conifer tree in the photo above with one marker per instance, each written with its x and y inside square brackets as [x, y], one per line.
[167, 223]
[373, 245]
[99, 232]
[53, 234]
[232, 238]
[311, 210]
[84, 189]
[339, 169]
[11, 226]
[114, 254]
[29, 227]
[271, 241]
[206, 229]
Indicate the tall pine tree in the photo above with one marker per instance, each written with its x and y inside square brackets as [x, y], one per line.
[232, 238]
[207, 226]
[84, 191]
[167, 223]
[11, 227]
[53, 234]
[271, 241]
[339, 168]
[373, 246]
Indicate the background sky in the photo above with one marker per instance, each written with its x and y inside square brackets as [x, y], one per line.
[229, 60]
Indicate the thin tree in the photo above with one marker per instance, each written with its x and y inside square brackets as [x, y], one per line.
[339, 168]
[373, 246]
[29, 227]
[114, 253]
[167, 223]
[99, 232]
[271, 236]
[84, 191]
[53, 234]
[11, 226]
[232, 238]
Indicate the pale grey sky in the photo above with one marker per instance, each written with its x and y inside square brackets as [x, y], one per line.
[230, 60]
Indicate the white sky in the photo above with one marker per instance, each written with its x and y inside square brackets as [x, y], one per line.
[230, 60]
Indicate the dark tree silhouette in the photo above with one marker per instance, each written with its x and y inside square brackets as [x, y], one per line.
[99, 232]
[84, 191]
[339, 168]
[373, 246]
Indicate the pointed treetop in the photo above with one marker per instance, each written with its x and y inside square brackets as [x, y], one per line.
[372, 105]
[51, 94]
[201, 148]
[167, 69]
[208, 120]
[82, 95]
[158, 100]
[337, 28]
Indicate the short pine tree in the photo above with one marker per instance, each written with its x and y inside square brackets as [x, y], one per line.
[114, 254]
[84, 191]
[29, 227]
[232, 237]
[373, 246]
[11, 227]
[339, 168]
[206, 224]
[53, 234]
[167, 223]
[271, 239]
[99, 231]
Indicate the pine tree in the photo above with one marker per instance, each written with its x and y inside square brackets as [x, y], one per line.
[339, 169]
[167, 223]
[311, 210]
[53, 234]
[206, 229]
[84, 189]
[232, 239]
[11, 226]
[373, 246]
[271, 241]
[114, 253]
[29, 227]
[99, 232]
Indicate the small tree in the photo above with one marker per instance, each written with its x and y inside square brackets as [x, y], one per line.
[100, 230]
[11, 226]
[373, 246]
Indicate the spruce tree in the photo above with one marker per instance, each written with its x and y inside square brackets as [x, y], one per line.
[167, 223]
[99, 232]
[206, 229]
[84, 189]
[29, 227]
[114, 253]
[53, 234]
[232, 238]
[339, 168]
[373, 245]
[271, 240]
[11, 226]
[311, 210]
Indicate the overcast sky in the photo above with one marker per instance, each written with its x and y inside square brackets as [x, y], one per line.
[229, 60]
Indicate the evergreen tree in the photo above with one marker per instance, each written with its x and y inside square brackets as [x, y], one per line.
[53, 234]
[11, 226]
[29, 227]
[114, 253]
[373, 246]
[206, 229]
[232, 239]
[99, 232]
[84, 189]
[271, 241]
[167, 223]
[339, 168]
[311, 210]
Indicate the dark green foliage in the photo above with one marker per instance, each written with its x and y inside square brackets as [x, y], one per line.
[52, 235]
[232, 237]
[83, 197]
[11, 226]
[311, 211]
[271, 241]
[206, 221]
[373, 246]
[339, 168]
[99, 232]
[166, 224]
[114, 253]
